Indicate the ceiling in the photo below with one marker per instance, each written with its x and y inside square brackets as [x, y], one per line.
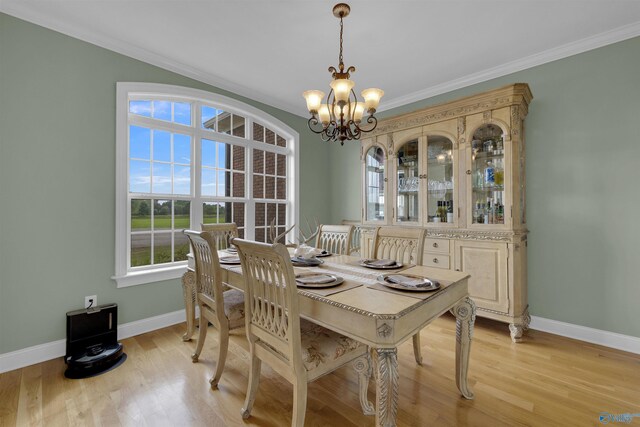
[272, 51]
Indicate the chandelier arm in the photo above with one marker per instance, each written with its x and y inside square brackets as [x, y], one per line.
[314, 122]
[371, 120]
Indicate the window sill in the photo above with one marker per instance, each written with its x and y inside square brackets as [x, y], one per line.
[150, 276]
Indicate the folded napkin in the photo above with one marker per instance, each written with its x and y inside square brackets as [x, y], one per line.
[407, 281]
[316, 279]
[381, 262]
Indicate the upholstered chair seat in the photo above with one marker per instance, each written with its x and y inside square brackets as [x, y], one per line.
[234, 308]
[321, 345]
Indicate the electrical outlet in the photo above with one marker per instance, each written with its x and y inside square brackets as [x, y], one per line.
[91, 300]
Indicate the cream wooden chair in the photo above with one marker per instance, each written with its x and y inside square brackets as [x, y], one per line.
[335, 238]
[222, 233]
[224, 309]
[299, 350]
[404, 245]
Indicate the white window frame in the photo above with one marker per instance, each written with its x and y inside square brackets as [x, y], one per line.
[125, 276]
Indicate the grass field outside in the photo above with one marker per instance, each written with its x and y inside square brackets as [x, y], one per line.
[141, 256]
[164, 222]
[162, 254]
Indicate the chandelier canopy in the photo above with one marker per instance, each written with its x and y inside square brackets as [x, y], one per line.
[340, 116]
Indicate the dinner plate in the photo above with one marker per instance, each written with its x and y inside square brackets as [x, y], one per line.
[305, 280]
[305, 262]
[323, 254]
[414, 283]
[367, 263]
[233, 259]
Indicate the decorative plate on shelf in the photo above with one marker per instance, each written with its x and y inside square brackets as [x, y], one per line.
[408, 282]
[317, 280]
[380, 264]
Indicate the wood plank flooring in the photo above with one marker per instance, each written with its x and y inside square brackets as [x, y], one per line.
[545, 381]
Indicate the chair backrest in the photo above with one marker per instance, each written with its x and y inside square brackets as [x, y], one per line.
[403, 244]
[208, 277]
[271, 300]
[222, 233]
[335, 238]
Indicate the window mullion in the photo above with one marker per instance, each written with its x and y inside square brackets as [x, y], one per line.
[197, 215]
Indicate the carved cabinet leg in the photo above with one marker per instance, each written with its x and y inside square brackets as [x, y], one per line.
[362, 366]
[516, 332]
[386, 386]
[189, 294]
[465, 313]
[518, 329]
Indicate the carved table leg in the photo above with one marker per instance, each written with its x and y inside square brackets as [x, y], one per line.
[362, 366]
[386, 386]
[189, 293]
[465, 313]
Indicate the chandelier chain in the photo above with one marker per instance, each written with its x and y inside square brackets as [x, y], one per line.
[340, 62]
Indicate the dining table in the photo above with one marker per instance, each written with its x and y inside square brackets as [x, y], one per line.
[364, 308]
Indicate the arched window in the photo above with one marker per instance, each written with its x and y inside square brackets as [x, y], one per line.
[186, 157]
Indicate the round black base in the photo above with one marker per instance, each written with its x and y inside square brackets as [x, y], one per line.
[75, 372]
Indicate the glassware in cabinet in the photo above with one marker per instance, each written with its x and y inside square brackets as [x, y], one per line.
[440, 179]
[407, 207]
[487, 175]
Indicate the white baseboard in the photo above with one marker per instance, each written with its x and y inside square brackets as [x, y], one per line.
[583, 333]
[47, 351]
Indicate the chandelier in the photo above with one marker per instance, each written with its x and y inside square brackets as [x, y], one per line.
[340, 117]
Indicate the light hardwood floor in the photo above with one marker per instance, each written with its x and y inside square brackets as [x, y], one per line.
[545, 381]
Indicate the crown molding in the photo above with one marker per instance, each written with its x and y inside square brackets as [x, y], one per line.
[26, 13]
[563, 51]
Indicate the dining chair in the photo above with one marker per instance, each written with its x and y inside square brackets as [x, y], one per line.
[335, 239]
[222, 233]
[299, 350]
[224, 309]
[404, 245]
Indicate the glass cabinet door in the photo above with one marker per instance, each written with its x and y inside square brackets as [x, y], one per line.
[374, 184]
[487, 175]
[440, 173]
[408, 183]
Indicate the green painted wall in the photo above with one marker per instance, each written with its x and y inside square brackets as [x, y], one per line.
[583, 175]
[57, 181]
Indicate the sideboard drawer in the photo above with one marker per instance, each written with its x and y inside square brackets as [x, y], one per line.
[436, 245]
[436, 260]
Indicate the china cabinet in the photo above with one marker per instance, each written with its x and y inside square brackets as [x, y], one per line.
[458, 169]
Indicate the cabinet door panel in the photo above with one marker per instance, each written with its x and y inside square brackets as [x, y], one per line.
[486, 262]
